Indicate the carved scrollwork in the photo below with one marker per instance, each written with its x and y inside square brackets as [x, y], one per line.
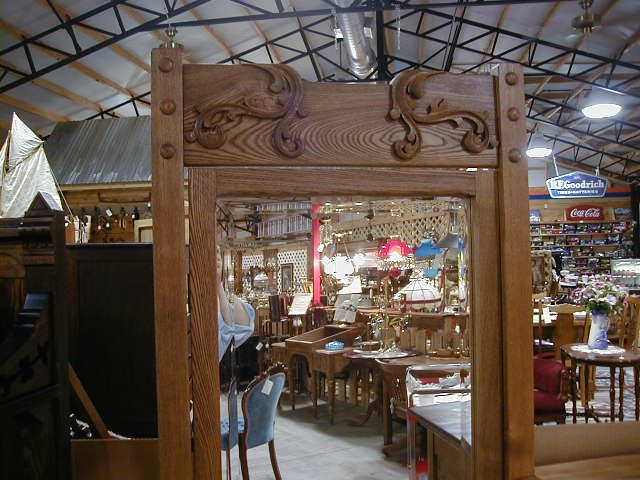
[406, 90]
[282, 101]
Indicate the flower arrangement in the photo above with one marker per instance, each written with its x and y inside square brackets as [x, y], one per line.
[600, 295]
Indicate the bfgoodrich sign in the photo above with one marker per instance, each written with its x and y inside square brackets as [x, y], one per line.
[577, 185]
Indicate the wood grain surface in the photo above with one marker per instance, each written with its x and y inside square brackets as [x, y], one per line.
[204, 323]
[169, 273]
[486, 358]
[618, 467]
[311, 182]
[515, 276]
[345, 125]
[115, 459]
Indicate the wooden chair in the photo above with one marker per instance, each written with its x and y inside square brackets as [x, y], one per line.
[229, 427]
[394, 403]
[565, 331]
[537, 304]
[629, 326]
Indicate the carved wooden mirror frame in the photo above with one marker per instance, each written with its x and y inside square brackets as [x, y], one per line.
[252, 129]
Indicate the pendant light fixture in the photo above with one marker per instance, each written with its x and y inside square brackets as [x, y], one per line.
[601, 104]
[538, 146]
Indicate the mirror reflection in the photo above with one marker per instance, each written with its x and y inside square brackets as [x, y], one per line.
[365, 301]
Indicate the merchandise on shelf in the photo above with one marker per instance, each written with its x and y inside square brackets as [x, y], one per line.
[586, 247]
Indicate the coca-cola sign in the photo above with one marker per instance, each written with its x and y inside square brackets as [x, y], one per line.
[585, 212]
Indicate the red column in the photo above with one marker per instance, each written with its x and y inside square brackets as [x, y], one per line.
[315, 240]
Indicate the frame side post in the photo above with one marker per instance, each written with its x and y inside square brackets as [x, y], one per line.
[204, 324]
[169, 273]
[516, 278]
[486, 360]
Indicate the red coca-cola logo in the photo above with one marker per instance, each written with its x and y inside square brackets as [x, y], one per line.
[585, 212]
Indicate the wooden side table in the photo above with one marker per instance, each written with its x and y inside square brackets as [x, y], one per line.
[614, 361]
[330, 363]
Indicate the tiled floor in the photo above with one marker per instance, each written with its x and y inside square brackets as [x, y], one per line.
[312, 449]
[601, 401]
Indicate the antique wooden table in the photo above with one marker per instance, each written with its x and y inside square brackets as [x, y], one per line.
[619, 466]
[626, 358]
[329, 363]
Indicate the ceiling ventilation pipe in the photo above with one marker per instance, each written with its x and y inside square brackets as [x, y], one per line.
[352, 25]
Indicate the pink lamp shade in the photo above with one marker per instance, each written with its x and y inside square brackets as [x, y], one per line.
[394, 248]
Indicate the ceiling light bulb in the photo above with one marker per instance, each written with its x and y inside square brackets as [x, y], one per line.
[538, 147]
[601, 110]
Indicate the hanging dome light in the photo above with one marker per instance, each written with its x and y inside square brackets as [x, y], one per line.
[538, 147]
[339, 267]
[420, 294]
[601, 110]
[395, 250]
[601, 104]
[598, 106]
[427, 249]
[451, 241]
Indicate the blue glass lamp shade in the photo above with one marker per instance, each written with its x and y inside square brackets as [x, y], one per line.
[427, 249]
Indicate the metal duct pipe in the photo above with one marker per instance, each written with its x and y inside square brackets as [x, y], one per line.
[361, 56]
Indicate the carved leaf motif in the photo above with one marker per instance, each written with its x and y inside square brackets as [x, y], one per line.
[406, 90]
[282, 101]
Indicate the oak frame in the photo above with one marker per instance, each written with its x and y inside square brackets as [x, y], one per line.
[503, 445]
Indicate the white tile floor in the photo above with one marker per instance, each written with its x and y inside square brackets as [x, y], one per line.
[312, 449]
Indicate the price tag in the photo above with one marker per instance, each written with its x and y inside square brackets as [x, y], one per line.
[546, 315]
[259, 346]
[266, 388]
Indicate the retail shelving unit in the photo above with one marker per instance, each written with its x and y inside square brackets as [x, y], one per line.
[588, 246]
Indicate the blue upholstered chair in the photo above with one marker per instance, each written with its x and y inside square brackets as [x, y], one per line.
[231, 426]
[257, 423]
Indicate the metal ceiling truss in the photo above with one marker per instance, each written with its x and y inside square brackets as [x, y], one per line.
[68, 27]
[536, 55]
[112, 7]
[538, 59]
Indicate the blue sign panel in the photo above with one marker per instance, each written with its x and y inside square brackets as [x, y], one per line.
[577, 185]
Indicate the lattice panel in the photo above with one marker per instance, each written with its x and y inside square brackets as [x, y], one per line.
[249, 261]
[298, 258]
[411, 230]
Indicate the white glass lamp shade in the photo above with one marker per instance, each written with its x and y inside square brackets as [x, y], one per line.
[538, 146]
[421, 295]
[339, 266]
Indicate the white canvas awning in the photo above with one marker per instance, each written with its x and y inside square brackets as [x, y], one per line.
[25, 171]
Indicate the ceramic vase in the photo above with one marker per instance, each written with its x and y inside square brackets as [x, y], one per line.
[600, 322]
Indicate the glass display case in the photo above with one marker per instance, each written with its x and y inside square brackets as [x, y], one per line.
[626, 271]
[439, 398]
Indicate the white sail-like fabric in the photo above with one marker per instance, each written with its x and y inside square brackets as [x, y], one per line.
[25, 171]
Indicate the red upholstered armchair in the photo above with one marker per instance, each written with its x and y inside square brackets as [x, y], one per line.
[550, 380]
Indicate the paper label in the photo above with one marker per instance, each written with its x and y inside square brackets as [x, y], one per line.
[300, 303]
[266, 388]
[546, 315]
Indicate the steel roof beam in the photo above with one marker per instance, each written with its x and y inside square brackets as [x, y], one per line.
[68, 58]
[531, 62]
